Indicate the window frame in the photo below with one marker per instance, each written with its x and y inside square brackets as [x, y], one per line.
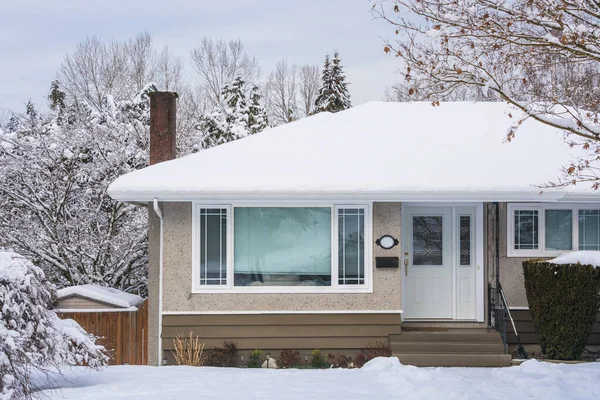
[196, 248]
[335, 287]
[541, 208]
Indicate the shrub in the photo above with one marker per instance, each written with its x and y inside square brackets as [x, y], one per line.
[289, 359]
[377, 349]
[225, 356]
[188, 351]
[340, 361]
[317, 360]
[32, 337]
[254, 359]
[564, 301]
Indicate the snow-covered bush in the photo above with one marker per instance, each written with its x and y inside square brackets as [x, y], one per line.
[32, 336]
[563, 299]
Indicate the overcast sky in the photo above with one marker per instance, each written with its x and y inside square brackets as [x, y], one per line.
[36, 34]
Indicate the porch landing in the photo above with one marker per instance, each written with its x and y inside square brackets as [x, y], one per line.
[449, 347]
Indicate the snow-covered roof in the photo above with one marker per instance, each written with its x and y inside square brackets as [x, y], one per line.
[379, 151]
[102, 294]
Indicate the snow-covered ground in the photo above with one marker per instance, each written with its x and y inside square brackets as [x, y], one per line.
[381, 378]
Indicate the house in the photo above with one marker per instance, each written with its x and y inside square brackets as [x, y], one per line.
[385, 222]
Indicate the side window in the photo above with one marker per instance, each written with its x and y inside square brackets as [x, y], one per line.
[589, 229]
[526, 229]
[558, 231]
[212, 245]
[351, 245]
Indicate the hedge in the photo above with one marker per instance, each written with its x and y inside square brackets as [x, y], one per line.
[564, 301]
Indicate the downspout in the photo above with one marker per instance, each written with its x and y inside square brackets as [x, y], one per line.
[159, 213]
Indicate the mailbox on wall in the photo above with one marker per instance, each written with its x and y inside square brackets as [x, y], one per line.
[387, 262]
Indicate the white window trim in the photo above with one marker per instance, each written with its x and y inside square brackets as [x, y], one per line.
[196, 250]
[335, 287]
[541, 208]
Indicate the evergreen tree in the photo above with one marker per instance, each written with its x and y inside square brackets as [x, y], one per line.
[56, 96]
[236, 118]
[257, 115]
[324, 91]
[333, 94]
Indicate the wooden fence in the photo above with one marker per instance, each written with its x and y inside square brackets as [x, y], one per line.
[124, 333]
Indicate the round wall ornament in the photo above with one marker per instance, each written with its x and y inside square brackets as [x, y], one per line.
[387, 242]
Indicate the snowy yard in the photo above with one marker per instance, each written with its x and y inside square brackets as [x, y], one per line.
[379, 379]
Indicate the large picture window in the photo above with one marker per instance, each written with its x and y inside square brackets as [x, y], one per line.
[538, 230]
[282, 248]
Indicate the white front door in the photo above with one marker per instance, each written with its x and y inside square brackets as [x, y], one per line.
[439, 262]
[427, 262]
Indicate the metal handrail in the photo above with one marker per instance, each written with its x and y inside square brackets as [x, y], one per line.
[520, 349]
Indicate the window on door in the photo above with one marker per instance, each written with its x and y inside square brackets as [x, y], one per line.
[427, 240]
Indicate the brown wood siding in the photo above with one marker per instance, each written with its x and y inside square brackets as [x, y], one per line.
[274, 332]
[524, 324]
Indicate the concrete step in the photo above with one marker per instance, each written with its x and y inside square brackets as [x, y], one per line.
[446, 347]
[455, 360]
[451, 335]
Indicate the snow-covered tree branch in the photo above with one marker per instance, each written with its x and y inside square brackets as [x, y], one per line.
[33, 339]
[541, 56]
[54, 207]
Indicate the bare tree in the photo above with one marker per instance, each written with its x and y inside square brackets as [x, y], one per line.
[169, 70]
[217, 63]
[142, 58]
[309, 83]
[281, 94]
[517, 51]
[96, 69]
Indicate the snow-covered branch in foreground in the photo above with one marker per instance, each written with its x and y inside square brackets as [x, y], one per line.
[32, 337]
[541, 56]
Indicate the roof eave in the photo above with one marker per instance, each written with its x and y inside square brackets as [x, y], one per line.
[142, 198]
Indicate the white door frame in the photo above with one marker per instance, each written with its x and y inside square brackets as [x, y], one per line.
[479, 256]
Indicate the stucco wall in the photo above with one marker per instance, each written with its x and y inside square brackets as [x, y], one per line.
[177, 274]
[511, 268]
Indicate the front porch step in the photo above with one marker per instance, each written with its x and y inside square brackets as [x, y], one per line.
[452, 347]
[446, 347]
[455, 360]
[449, 335]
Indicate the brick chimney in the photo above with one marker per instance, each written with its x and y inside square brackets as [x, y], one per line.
[162, 148]
[163, 118]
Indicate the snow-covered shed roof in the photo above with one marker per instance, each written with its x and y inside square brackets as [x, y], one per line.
[379, 151]
[102, 294]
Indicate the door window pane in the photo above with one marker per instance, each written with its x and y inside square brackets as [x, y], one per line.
[282, 246]
[213, 246]
[351, 246]
[589, 229]
[559, 230]
[526, 229]
[465, 240]
[427, 240]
